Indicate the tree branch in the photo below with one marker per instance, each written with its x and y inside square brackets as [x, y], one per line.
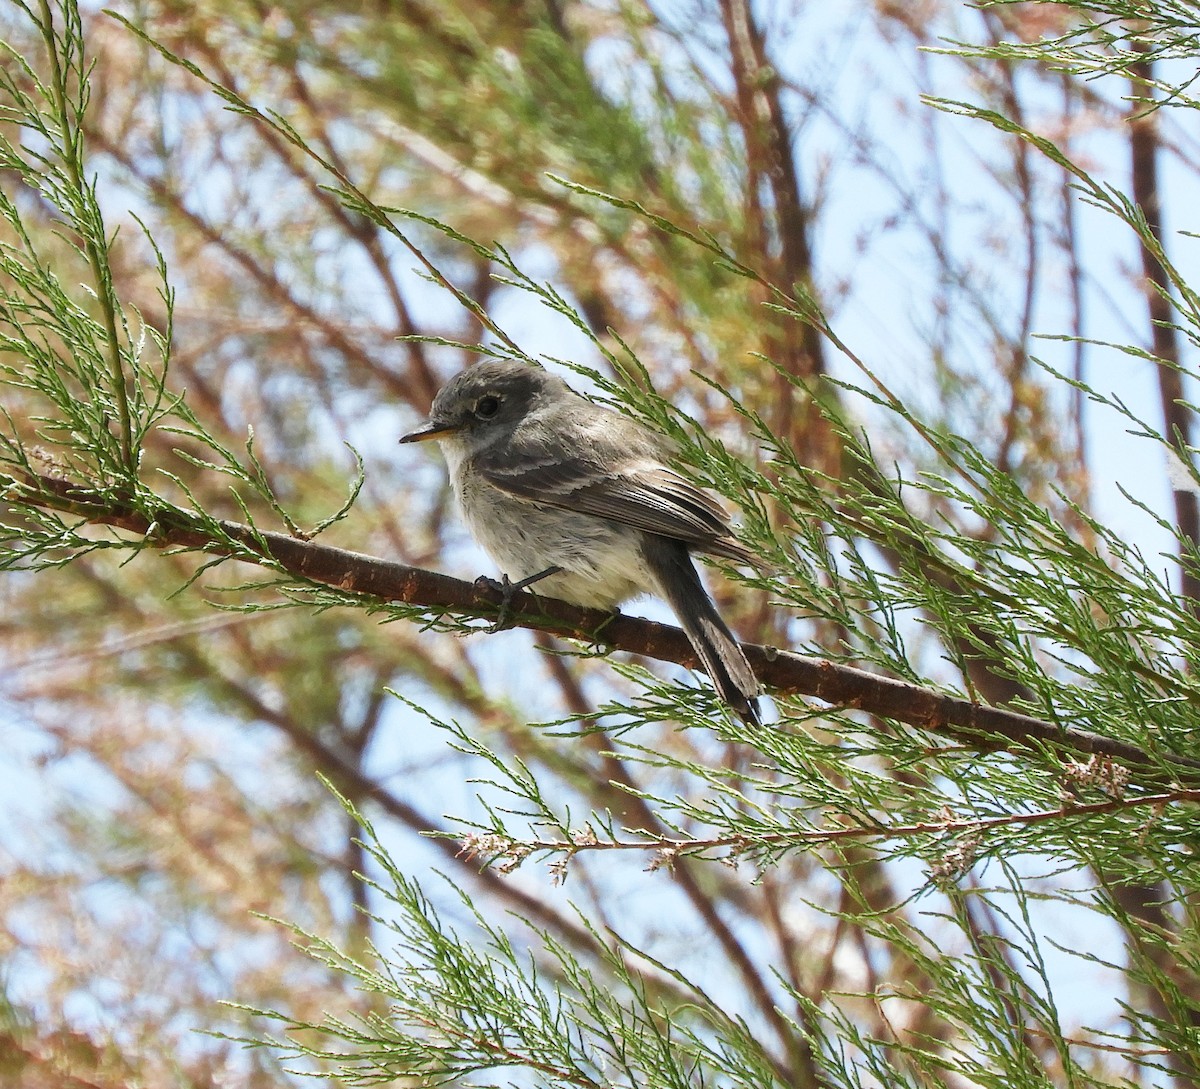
[978, 725]
[1177, 416]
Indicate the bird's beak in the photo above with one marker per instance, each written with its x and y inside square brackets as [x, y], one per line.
[432, 429]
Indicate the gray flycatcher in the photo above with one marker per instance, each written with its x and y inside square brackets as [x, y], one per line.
[583, 501]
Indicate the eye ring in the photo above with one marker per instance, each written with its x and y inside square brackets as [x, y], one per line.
[487, 407]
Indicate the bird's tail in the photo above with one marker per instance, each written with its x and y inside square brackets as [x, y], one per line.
[714, 644]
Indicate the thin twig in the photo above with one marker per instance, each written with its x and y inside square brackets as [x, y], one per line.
[794, 837]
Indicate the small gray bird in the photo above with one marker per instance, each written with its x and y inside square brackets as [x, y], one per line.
[582, 500]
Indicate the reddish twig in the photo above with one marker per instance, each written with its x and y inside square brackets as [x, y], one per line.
[493, 845]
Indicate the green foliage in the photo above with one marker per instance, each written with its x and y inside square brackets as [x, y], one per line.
[86, 380]
[1112, 37]
[1085, 629]
[41, 313]
[469, 1001]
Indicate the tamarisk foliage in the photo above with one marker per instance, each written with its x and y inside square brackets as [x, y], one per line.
[961, 851]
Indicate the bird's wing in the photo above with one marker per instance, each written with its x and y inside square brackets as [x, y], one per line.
[609, 476]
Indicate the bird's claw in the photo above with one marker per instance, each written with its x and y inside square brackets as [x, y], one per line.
[507, 588]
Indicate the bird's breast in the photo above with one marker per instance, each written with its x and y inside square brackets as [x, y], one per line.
[601, 560]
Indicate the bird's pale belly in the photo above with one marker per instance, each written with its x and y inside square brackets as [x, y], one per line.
[602, 563]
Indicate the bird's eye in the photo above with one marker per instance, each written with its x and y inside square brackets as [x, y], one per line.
[487, 407]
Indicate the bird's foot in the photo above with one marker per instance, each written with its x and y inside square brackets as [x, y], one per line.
[507, 588]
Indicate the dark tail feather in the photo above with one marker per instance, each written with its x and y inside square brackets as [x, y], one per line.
[711, 639]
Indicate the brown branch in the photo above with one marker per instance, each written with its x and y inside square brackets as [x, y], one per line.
[778, 229]
[980, 726]
[1144, 903]
[1177, 416]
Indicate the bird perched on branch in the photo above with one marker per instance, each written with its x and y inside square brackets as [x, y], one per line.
[583, 501]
